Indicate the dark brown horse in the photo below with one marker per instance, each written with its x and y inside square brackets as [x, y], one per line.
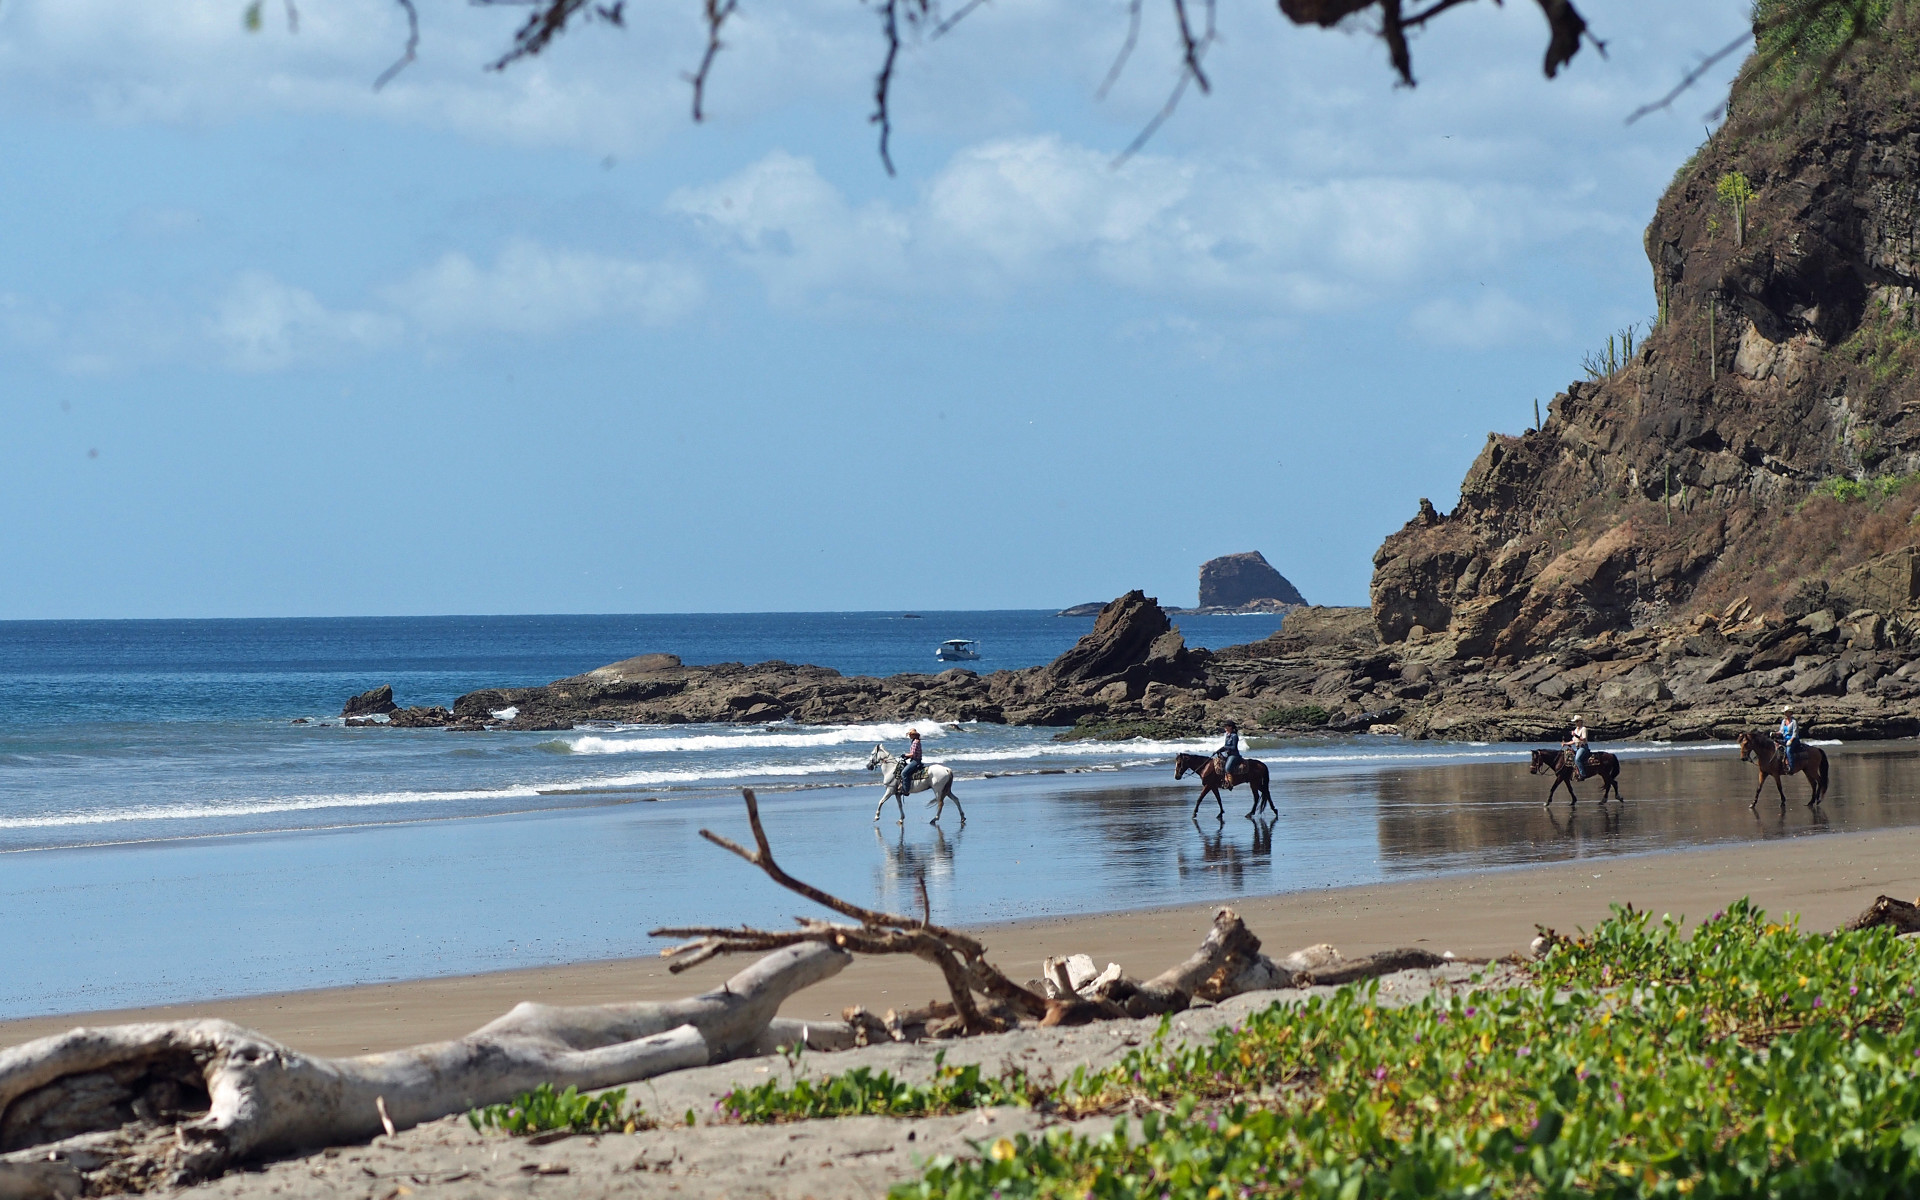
[1810, 761]
[1560, 762]
[1252, 772]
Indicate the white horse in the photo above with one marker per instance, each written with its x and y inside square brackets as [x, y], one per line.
[932, 778]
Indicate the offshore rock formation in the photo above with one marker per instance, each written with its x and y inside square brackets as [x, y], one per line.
[1237, 580]
[1761, 439]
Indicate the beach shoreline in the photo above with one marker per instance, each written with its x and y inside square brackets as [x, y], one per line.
[1825, 879]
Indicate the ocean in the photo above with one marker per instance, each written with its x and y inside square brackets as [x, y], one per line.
[130, 731]
[168, 832]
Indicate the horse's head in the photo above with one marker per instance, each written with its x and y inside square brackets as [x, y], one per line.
[1181, 765]
[1543, 759]
[1746, 746]
[878, 757]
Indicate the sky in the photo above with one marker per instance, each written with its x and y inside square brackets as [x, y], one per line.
[274, 343]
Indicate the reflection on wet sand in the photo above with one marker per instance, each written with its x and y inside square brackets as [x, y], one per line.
[1489, 815]
[1087, 843]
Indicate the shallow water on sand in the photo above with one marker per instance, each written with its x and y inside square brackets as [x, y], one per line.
[155, 921]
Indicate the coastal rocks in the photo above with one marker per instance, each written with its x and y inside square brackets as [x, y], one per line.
[1236, 580]
[376, 702]
[1129, 629]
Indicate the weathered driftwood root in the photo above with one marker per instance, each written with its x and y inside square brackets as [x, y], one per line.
[135, 1106]
[1904, 917]
[960, 958]
[1227, 963]
[1372, 966]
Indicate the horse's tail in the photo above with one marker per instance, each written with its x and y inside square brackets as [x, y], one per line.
[1824, 760]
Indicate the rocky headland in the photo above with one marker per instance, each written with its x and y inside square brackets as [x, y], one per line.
[1720, 519]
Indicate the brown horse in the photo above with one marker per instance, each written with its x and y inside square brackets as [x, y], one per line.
[1810, 761]
[1560, 762]
[1252, 772]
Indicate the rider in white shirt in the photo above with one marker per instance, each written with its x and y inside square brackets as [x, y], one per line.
[1577, 742]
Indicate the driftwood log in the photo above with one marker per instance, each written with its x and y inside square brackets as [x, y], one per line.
[960, 957]
[130, 1107]
[1885, 910]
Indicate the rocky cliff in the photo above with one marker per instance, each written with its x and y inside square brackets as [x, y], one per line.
[1759, 443]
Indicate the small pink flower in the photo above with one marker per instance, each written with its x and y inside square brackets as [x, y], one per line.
[1379, 1072]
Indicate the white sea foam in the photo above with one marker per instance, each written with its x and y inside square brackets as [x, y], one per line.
[263, 806]
[758, 737]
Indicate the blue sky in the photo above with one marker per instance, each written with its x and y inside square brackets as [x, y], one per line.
[272, 343]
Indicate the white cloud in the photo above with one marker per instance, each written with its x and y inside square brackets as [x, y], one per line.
[1015, 213]
[531, 289]
[264, 325]
[1488, 319]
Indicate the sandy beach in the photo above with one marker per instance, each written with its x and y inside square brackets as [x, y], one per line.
[1826, 879]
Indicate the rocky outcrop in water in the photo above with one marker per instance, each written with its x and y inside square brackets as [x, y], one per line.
[375, 701]
[1238, 580]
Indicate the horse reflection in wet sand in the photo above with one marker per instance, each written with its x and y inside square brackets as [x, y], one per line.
[1252, 772]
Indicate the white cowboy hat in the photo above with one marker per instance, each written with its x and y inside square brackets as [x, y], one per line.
[1788, 710]
[1578, 719]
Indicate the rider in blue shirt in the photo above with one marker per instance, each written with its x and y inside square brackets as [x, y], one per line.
[1789, 735]
[1229, 753]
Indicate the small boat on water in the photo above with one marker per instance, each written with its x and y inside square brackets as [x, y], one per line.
[958, 650]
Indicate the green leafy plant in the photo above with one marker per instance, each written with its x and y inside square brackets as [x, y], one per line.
[1852, 491]
[864, 1092]
[544, 1110]
[1281, 716]
[1735, 191]
[1747, 1059]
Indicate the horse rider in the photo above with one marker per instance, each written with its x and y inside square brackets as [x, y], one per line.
[1577, 742]
[1229, 754]
[1789, 735]
[910, 764]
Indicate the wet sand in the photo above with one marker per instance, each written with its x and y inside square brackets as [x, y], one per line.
[1826, 879]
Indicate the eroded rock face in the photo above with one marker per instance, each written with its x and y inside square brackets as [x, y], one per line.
[1235, 580]
[377, 701]
[1784, 362]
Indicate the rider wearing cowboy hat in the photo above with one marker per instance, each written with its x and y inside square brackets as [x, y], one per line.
[1229, 753]
[1789, 735]
[910, 762]
[1577, 742]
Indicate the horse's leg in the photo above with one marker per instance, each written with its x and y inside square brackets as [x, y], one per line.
[1813, 785]
[881, 805]
[1781, 790]
[1758, 788]
[956, 802]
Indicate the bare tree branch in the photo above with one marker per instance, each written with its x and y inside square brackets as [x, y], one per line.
[1691, 77]
[717, 12]
[961, 959]
[1126, 50]
[943, 27]
[410, 52]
